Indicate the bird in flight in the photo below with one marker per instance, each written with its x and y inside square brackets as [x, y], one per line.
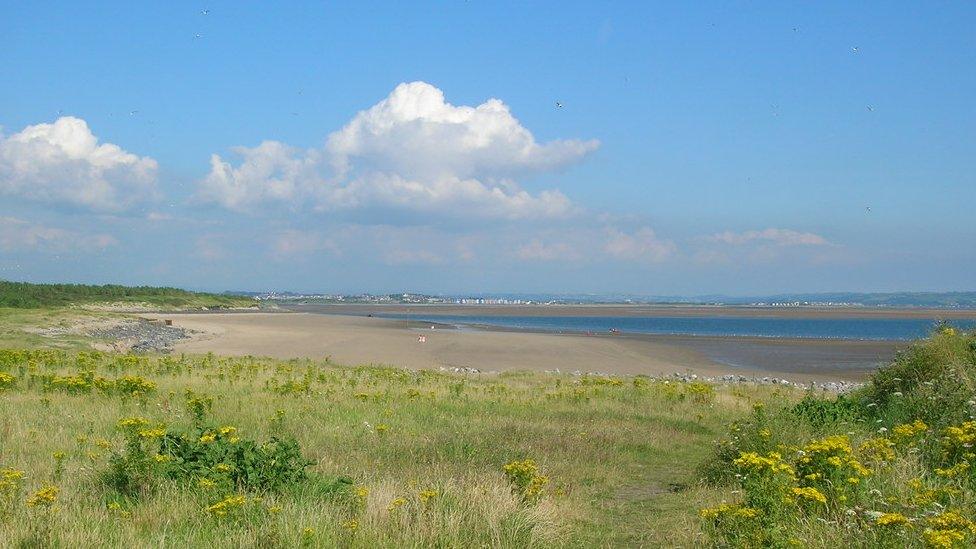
[198, 35]
[133, 113]
[559, 105]
[205, 12]
[854, 49]
[868, 208]
[870, 108]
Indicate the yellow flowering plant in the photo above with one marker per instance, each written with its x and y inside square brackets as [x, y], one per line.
[45, 497]
[11, 484]
[525, 478]
[830, 465]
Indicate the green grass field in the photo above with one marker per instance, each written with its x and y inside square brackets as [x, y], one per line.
[620, 457]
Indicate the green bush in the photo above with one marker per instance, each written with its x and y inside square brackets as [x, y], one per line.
[933, 381]
[820, 412]
[224, 458]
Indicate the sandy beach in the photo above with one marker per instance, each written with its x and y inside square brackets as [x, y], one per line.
[355, 340]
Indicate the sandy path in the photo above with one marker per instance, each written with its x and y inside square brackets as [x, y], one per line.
[361, 340]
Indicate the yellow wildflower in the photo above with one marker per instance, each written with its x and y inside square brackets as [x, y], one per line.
[150, 434]
[810, 493]
[227, 505]
[943, 539]
[892, 519]
[132, 423]
[45, 497]
[956, 470]
[728, 510]
[904, 433]
[396, 503]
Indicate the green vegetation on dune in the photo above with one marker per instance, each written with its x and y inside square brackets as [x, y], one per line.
[49, 327]
[892, 465]
[208, 451]
[24, 295]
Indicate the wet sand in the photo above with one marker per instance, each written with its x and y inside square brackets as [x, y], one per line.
[355, 340]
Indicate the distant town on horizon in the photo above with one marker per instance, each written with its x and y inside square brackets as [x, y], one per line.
[948, 300]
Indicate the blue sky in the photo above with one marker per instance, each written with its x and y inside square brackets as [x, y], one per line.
[714, 148]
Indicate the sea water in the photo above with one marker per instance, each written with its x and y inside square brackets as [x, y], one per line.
[900, 329]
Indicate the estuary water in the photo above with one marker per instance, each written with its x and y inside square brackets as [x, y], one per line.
[874, 329]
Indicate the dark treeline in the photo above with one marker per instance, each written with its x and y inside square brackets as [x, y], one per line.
[25, 295]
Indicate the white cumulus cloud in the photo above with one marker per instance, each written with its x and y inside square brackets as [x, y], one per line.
[414, 132]
[412, 151]
[64, 163]
[20, 235]
[779, 237]
[271, 173]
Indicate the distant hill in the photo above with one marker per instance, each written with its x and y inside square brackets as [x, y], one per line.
[24, 295]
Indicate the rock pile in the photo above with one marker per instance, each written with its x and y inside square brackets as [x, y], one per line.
[142, 336]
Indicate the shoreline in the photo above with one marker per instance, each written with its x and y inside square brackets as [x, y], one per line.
[356, 340]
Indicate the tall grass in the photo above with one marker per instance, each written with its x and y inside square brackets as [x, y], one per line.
[398, 458]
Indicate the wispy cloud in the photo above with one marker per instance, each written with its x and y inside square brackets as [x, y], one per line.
[641, 245]
[537, 250]
[779, 237]
[20, 235]
[293, 243]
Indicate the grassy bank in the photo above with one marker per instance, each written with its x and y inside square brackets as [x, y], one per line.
[396, 458]
[891, 465]
[24, 295]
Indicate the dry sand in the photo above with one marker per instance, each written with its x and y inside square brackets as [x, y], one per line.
[355, 340]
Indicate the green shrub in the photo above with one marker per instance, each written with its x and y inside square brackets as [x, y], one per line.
[221, 456]
[819, 412]
[933, 381]
[131, 470]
